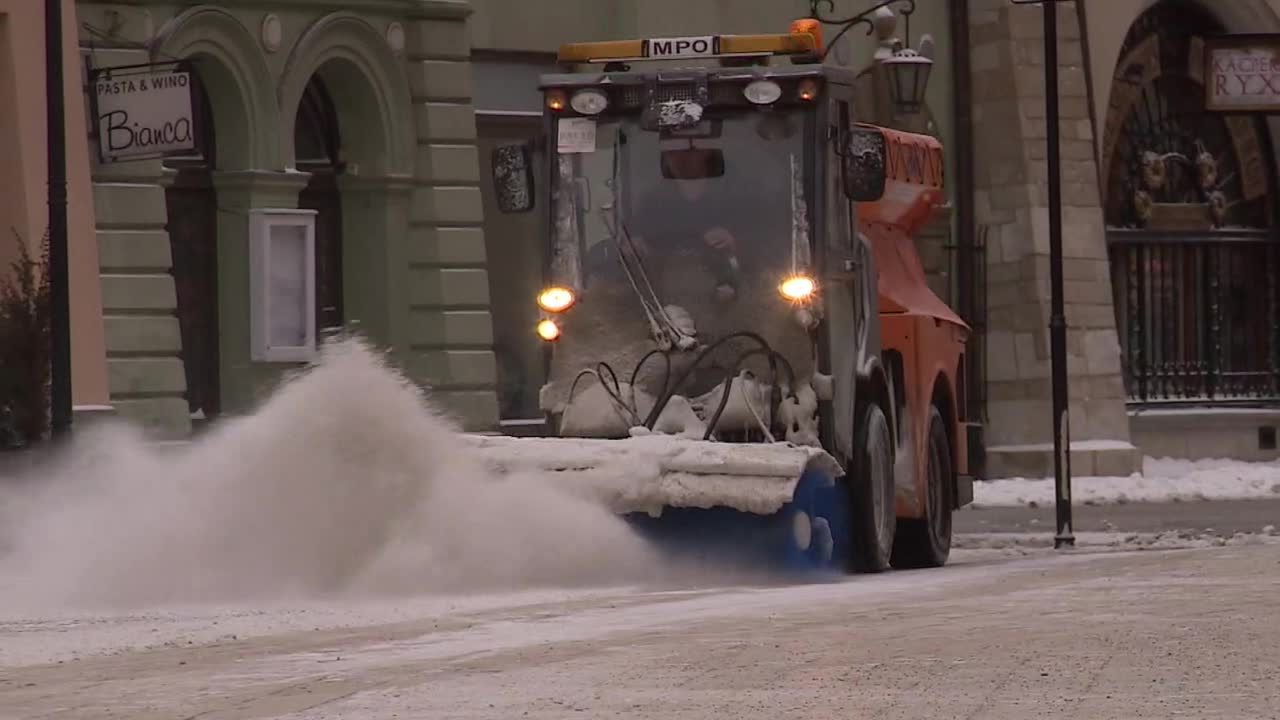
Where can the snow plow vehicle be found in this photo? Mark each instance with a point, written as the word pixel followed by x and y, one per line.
pixel 743 355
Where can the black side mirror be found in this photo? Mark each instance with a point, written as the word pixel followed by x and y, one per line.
pixel 513 177
pixel 864 165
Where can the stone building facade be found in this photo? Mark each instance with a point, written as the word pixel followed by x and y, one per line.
pixel 1011 197
pixel 359 110
pixel 380 114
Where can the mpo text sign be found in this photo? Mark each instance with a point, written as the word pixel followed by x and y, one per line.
pixel 143 111
pixel 1242 73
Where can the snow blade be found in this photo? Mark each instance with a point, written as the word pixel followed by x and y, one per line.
pixel 646 474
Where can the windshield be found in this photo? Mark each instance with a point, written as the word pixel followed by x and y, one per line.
pixel 676 239
pixel 717 199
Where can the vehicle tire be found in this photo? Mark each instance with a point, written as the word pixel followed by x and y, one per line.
pixel 874 518
pixel 926 542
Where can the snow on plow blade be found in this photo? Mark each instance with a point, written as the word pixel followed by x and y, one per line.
pixel 648 473
pixel 775 505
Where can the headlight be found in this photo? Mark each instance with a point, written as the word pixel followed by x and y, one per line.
pixel 548 330
pixel 798 288
pixel 556 299
pixel 589 101
pixel 762 92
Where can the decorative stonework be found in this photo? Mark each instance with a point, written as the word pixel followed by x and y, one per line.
pixel 272 32
pixel 395 38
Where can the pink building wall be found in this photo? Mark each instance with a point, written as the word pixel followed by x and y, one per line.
pixel 24 178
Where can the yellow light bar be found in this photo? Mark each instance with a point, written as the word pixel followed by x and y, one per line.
pixel 609 50
pixel 691 47
pixel 783 44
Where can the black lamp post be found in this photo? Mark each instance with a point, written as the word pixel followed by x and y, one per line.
pixel 907 70
pixel 1065 536
pixel 59 296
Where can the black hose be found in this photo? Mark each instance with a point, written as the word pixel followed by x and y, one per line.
pixel 667 392
pixel 666 373
pixel 775 396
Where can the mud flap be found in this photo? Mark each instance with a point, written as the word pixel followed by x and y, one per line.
pixel 964 490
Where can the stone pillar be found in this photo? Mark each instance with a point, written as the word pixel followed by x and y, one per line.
pixel 244 383
pixel 450 330
pixel 1011 197
pixel 145 374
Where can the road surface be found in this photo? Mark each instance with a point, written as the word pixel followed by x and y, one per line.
pixel 1154 634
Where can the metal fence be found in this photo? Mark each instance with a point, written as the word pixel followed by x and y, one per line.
pixel 1197 315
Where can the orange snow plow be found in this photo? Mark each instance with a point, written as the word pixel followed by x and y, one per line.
pixel 742 348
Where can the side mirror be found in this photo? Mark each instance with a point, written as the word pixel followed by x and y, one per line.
pixel 864 165
pixel 513 177
pixel 692 163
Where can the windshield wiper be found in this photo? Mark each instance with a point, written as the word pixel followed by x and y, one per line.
pixel 665 332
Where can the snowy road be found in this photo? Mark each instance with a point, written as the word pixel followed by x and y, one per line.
pixel 1090 634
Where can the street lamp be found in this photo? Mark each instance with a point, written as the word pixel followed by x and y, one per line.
pixel 908 74
pixel 906 71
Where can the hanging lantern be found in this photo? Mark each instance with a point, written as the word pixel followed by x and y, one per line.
pixel 907 73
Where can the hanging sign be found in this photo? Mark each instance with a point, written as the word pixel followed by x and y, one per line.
pixel 143 111
pixel 1242 73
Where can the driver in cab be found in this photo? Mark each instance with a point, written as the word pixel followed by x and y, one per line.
pixel 689 215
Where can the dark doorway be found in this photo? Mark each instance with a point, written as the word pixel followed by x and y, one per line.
pixel 192 205
pixel 317 150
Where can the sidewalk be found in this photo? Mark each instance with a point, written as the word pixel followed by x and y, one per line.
pixel 1222 518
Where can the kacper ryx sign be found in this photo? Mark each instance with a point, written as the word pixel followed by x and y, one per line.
pixel 143 111
pixel 1242 73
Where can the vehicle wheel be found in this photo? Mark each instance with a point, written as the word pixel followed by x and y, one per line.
pixel 926 542
pixel 874 519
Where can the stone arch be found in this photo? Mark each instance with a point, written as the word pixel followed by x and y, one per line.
pixel 238 82
pixel 1190 203
pixel 1156 111
pixel 369 87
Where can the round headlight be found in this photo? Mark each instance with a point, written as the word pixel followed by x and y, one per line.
pixel 556 299
pixel 762 92
pixel 548 330
pixel 589 101
pixel 798 288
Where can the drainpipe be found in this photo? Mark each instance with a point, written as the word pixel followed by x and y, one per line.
pixel 59 292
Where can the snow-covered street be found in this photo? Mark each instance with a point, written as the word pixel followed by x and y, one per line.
pixel 1001 633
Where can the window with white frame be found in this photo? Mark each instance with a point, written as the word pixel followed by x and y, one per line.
pixel 282 266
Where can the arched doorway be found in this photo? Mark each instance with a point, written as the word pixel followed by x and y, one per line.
pixel 192 224
pixel 1190 211
pixel 317 146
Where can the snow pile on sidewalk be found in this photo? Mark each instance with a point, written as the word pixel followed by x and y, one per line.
pixel 1162 480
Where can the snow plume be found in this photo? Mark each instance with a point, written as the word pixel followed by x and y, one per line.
pixel 344 481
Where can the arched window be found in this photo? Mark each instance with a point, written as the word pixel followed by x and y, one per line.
pixel 1189 209
pixel 317 148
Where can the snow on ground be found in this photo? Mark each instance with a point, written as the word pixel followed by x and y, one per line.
pixel 1162 480
pixel 66 635
pixel 1012 544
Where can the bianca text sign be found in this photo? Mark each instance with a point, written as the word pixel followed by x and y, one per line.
pixel 1242 73
pixel 143 112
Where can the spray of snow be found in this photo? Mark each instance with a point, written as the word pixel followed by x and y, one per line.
pixel 1162 480
pixel 343 482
